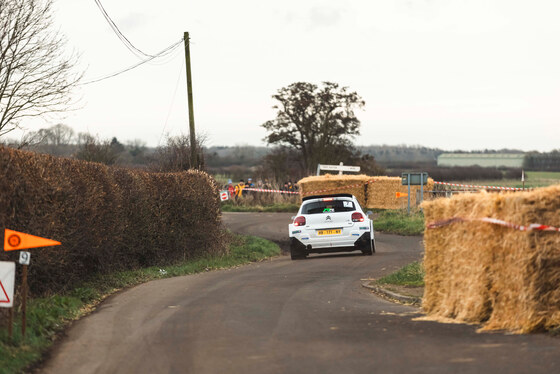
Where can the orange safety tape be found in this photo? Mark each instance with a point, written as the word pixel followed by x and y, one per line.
pixel 267 190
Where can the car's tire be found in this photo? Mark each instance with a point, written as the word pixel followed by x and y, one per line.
pixel 370 250
pixel 296 253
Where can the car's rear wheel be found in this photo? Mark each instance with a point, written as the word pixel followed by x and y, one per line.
pixel 296 252
pixel 370 250
pixel 296 255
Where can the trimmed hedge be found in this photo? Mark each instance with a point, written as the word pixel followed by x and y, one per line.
pixel 107 218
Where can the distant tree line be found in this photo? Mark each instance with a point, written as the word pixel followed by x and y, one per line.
pixel 245 155
pixel 397 156
pixel 61 140
pixel 490 151
pixel 549 161
pixel 276 163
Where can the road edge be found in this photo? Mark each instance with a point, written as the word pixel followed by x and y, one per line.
pixel 393 296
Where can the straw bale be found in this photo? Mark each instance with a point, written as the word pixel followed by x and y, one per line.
pixel 483 273
pixel 380 193
pixel 312 184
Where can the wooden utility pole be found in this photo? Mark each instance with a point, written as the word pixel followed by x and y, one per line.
pixel 194 161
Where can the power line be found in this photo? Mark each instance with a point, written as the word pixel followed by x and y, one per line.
pixel 168 57
pixel 137 52
pixel 163 53
pixel 172 102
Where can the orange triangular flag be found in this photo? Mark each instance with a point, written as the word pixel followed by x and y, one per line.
pixel 14 241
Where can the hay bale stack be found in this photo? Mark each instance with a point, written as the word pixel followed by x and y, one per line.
pixel 483 273
pixel 380 193
pixel 333 183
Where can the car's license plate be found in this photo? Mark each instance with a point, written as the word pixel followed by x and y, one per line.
pixel 329 232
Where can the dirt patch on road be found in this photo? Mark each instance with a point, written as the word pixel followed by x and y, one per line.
pixel 284 246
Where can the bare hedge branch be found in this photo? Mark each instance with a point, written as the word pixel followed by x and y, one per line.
pixel 107 218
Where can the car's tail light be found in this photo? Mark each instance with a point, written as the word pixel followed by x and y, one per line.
pixel 328 199
pixel 299 221
pixel 357 217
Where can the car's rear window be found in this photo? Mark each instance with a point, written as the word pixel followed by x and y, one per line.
pixel 334 206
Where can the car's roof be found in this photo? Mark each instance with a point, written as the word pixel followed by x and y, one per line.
pixel 324 196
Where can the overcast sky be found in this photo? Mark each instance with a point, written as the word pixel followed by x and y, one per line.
pixel 467 74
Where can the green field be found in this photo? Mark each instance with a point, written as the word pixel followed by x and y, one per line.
pixel 532 179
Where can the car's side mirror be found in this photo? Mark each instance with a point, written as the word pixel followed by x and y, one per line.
pixel 369 213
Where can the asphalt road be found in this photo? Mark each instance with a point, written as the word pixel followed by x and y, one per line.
pixel 283 316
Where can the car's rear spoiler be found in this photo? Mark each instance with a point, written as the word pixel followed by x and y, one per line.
pixel 331 195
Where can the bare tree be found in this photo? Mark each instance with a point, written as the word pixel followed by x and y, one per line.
pixel 36 75
pixel 91 149
pixel 61 134
pixel 176 154
pixel 55 140
pixel 30 139
pixel 317 122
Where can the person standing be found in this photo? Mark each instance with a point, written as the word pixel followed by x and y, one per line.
pixel 239 189
pixel 230 189
pixel 249 184
pixel 290 186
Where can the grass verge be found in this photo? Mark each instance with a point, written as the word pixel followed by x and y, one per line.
pixel 399 222
pixel 279 207
pixel 50 315
pixel 411 275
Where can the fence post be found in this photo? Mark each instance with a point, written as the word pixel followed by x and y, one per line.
pixel 421 187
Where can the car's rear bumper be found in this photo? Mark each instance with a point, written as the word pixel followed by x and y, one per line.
pixel 343 244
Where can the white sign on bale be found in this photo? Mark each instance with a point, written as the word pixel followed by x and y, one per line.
pixel 7 281
pixel 340 168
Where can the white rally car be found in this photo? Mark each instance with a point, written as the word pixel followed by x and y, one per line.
pixel 331 223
